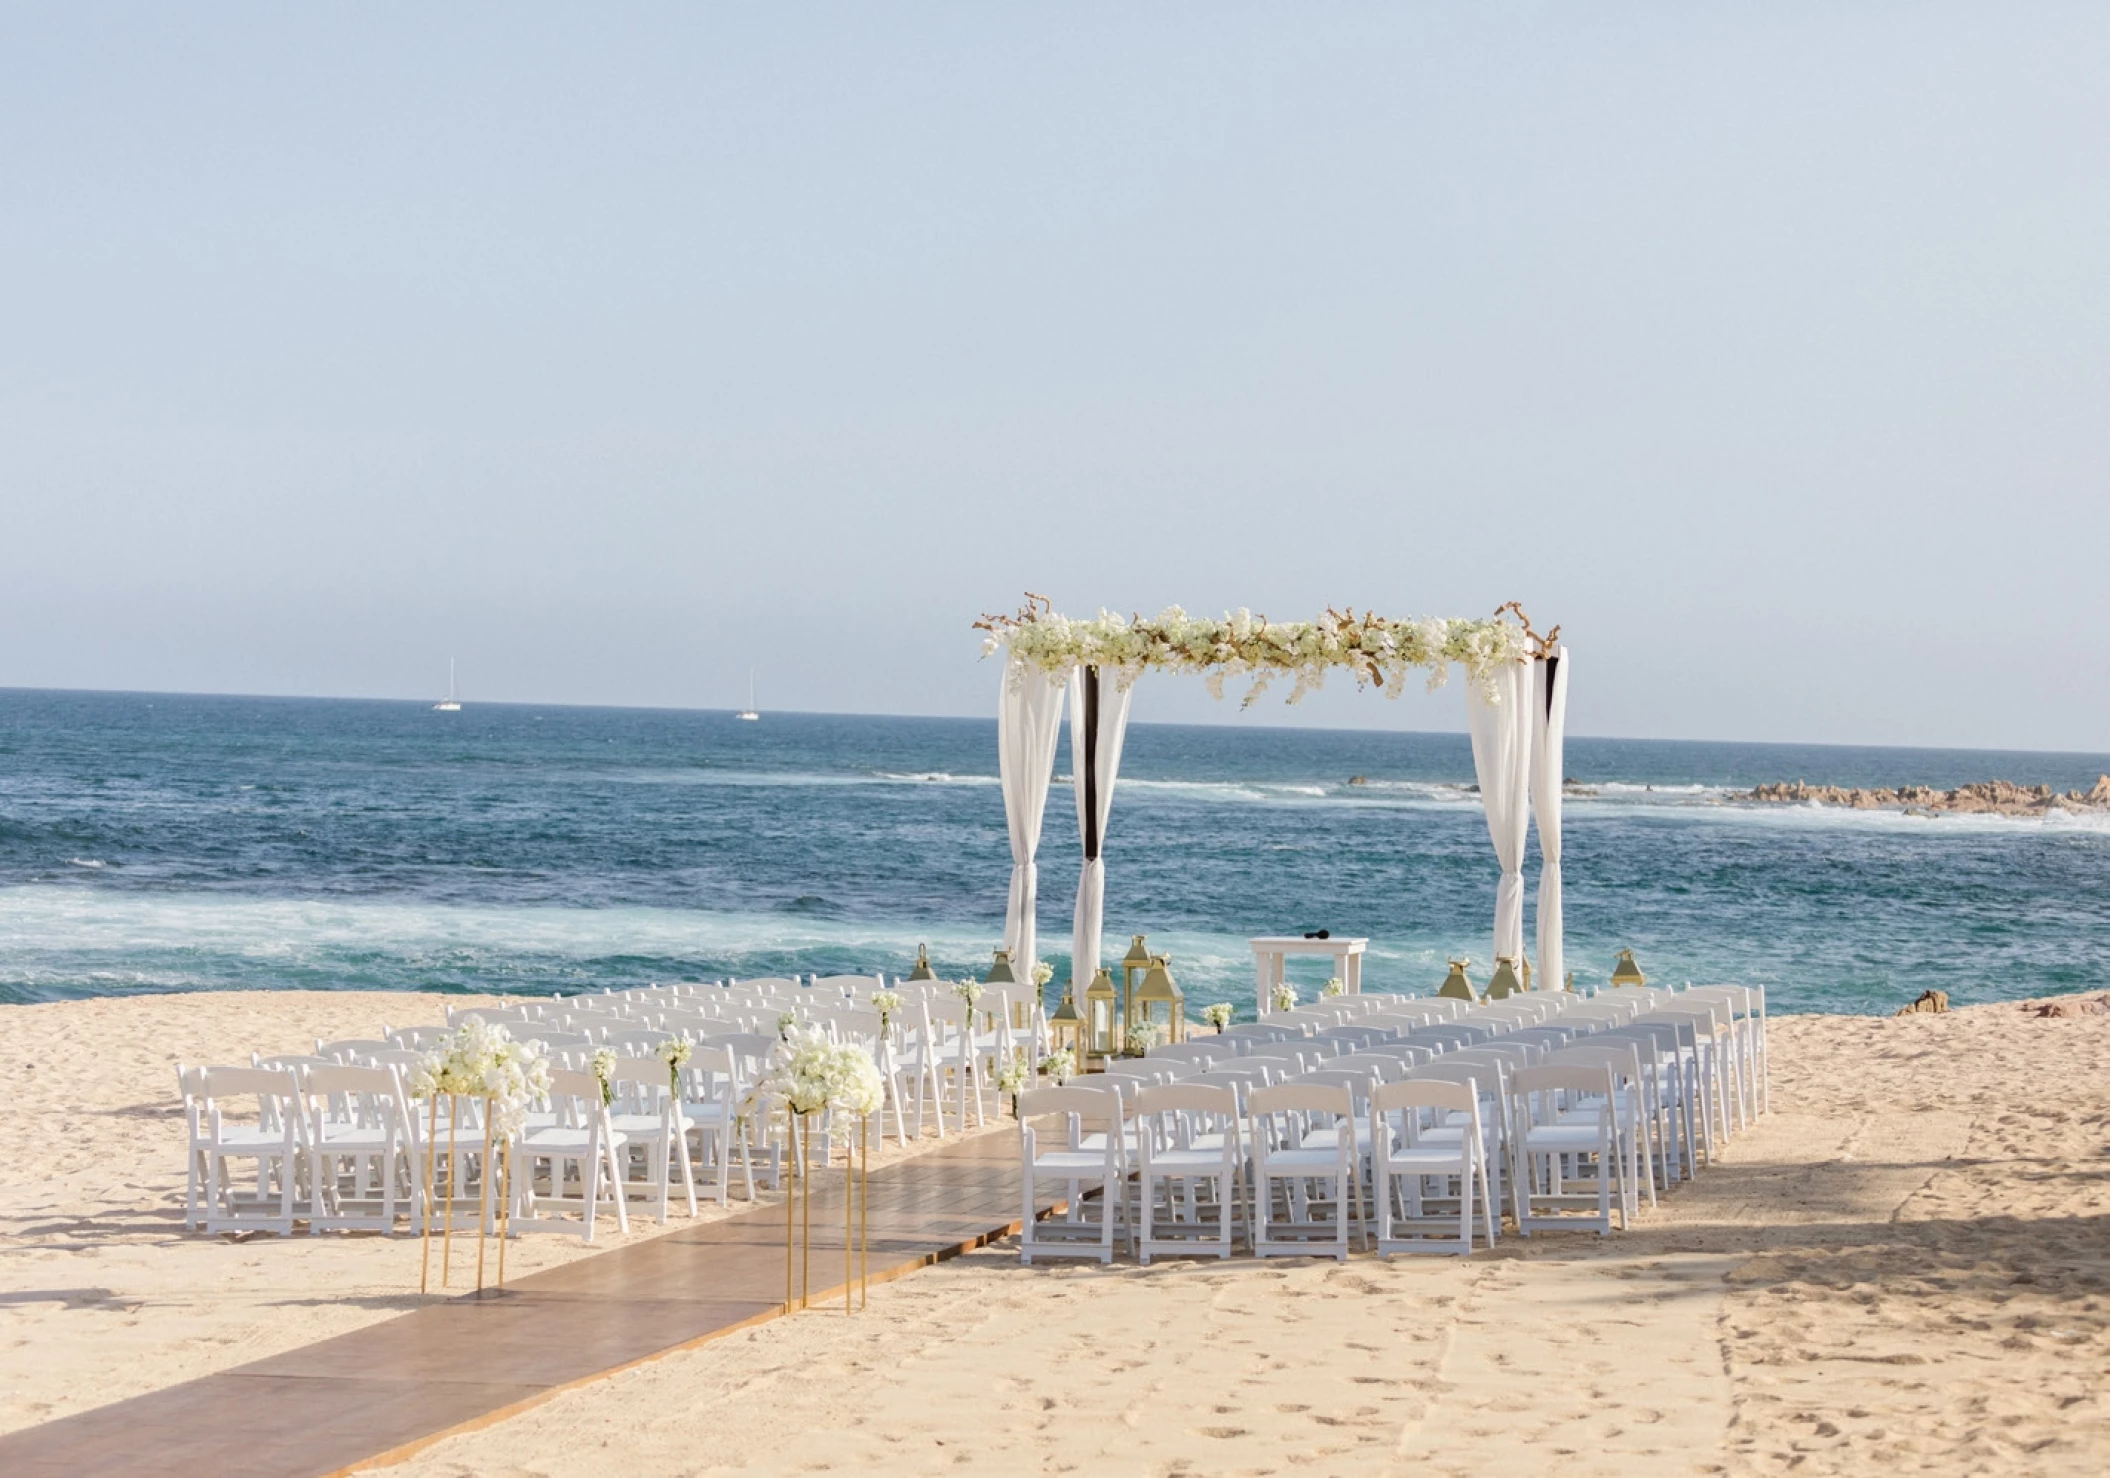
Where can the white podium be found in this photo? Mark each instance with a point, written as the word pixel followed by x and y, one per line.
pixel 1271 962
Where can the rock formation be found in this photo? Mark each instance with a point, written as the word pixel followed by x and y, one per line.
pixel 1986 797
pixel 1933 1000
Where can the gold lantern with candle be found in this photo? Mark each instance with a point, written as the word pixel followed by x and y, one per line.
pixel 1134 966
pixel 1626 972
pixel 1456 986
pixel 1160 1002
pixel 1505 983
pixel 1066 1028
pixel 923 970
pixel 1102 1029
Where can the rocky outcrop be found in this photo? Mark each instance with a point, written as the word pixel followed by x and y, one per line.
pixel 1986 797
pixel 1933 1000
pixel 2060 1006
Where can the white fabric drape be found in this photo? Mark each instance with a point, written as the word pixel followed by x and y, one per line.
pixel 1098 723
pixel 1549 728
pixel 1028 721
pixel 1502 761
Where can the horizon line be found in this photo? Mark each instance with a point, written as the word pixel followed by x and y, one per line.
pixel 7 689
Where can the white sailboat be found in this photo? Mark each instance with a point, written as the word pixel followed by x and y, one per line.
pixel 748 712
pixel 449 704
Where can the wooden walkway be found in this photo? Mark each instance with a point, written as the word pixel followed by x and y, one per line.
pixel 380 1393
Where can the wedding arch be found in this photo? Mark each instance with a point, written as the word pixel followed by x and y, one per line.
pixel 1516 710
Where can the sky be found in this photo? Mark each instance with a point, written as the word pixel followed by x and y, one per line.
pixel 617 352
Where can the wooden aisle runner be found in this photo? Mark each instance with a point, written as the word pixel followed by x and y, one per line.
pixel 382 1392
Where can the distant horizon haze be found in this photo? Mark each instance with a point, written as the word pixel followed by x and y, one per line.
pixel 616 353
pixel 1294 723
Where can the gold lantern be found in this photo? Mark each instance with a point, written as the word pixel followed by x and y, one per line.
pixel 1066 1029
pixel 1505 983
pixel 1524 965
pixel 1160 1002
pixel 1134 966
pixel 1626 972
pixel 1102 1030
pixel 1456 986
pixel 1000 974
pixel 923 970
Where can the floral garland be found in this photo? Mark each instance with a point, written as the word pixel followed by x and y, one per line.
pixel 1379 651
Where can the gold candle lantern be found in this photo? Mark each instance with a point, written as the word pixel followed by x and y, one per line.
pixel 1626 972
pixel 1456 986
pixel 1160 1002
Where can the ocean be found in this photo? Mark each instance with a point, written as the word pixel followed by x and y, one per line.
pixel 151 842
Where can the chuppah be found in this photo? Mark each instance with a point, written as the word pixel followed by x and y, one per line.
pixel 1516 710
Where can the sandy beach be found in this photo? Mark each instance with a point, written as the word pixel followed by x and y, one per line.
pixel 1903 1268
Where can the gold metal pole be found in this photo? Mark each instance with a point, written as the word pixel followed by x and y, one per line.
pixel 425 1241
pixel 454 1118
pixel 864 1214
pixel 849 1240
pixel 791 1133
pixel 806 1222
pixel 849 1210
pixel 505 1205
pixel 483 1201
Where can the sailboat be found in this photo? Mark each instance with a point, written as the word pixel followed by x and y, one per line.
pixel 449 704
pixel 748 712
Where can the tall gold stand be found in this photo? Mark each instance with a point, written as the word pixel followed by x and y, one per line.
pixel 498 1156
pixel 857 1217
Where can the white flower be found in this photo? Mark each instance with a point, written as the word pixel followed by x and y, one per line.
pixel 1015 1074
pixel 1061 1065
pixel 969 991
pixel 1284 997
pixel 1043 972
pixel 1332 987
pixel 1218 1014
pixel 674 1052
pixel 886 1002
pixel 485 1062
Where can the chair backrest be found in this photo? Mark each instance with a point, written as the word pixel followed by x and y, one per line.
pixel 566 1084
pixel 1424 1092
pixel 378 1081
pixel 351 1049
pixel 1203 1051
pixel 1087 1103
pixel 418 1036
pixel 1481 1077
pixel 1553 1078
pixel 637 1042
pixel 241 1082
pixel 1301 1098
pixel 1189 1098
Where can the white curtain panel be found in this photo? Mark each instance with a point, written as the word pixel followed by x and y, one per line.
pixel 1098 723
pixel 1549 729
pixel 1028 722
pixel 1502 761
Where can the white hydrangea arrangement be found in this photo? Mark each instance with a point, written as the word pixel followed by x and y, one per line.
pixel 1144 1036
pixel 1061 1065
pixel 811 1074
pixel 1332 988
pixel 1379 651
pixel 484 1061
pixel 674 1052
pixel 602 1065
pixel 1014 1075
pixel 886 1003
pixel 969 991
pixel 1043 972
pixel 1284 997
pixel 1218 1014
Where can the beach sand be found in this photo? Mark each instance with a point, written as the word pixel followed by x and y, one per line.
pixel 103 1295
pixel 1904 1267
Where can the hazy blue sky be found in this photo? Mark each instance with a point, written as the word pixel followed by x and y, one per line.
pixel 1767 347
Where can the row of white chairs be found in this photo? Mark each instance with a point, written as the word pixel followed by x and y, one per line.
pixel 1402 1119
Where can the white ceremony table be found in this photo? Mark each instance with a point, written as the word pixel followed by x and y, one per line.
pixel 1271 962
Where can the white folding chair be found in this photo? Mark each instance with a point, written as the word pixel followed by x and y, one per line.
pixel 1282 1118
pixel 271 1143
pixel 360 1155
pixel 1405 1160
pixel 1188 1135
pixel 580 1148
pixel 1090 1146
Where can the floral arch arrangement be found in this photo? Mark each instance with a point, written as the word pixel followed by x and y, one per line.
pixel 1378 651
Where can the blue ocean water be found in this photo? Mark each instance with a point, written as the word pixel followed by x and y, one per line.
pixel 159 843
